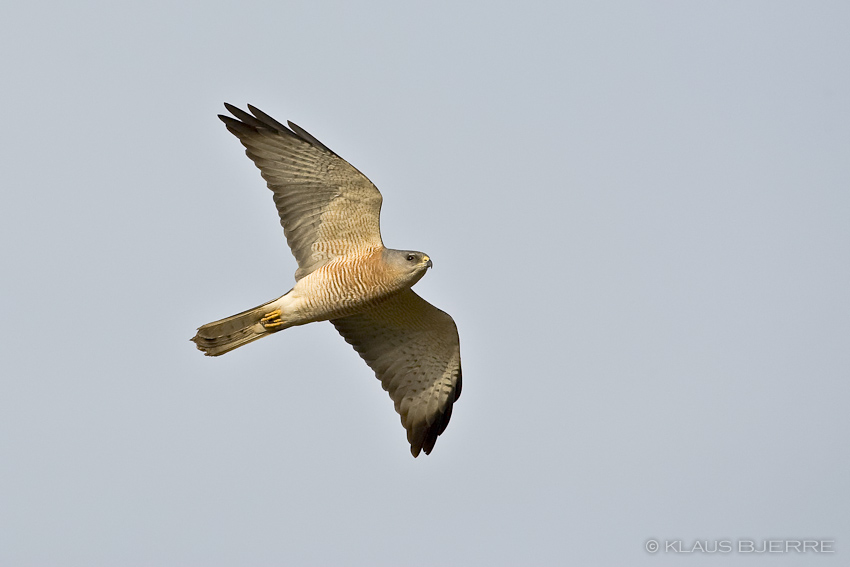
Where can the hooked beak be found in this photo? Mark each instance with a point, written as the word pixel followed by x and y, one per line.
pixel 429 263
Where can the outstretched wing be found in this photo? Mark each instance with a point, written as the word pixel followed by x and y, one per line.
pixel 327 207
pixel 414 349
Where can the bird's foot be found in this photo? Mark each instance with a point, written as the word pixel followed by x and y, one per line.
pixel 272 320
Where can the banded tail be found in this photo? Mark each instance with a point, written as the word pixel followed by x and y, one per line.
pixel 219 337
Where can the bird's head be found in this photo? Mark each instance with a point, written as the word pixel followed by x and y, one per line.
pixel 408 264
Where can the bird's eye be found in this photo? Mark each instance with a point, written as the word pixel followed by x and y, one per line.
pixel 410 257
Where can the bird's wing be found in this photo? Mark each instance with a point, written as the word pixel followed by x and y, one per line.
pixel 414 349
pixel 327 207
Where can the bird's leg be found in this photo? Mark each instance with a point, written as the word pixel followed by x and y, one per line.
pixel 272 320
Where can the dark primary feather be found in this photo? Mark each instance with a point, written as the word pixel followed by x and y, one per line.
pixel 259 119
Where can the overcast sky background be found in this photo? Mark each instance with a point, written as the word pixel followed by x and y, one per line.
pixel 639 216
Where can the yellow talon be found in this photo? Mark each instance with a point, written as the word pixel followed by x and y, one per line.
pixel 273 315
pixel 272 320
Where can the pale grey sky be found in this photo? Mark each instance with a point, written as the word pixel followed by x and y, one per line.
pixel 639 216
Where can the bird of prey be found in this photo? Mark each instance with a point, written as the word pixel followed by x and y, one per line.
pixel 330 214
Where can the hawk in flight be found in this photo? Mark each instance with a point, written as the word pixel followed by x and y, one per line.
pixel 330 214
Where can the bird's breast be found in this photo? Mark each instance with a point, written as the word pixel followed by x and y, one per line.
pixel 345 286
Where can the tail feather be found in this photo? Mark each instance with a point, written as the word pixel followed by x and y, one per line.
pixel 219 337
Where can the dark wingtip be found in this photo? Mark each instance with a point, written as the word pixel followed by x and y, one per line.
pixel 423 439
pixel 308 137
pixel 245 122
pixel 266 119
pixel 236 127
